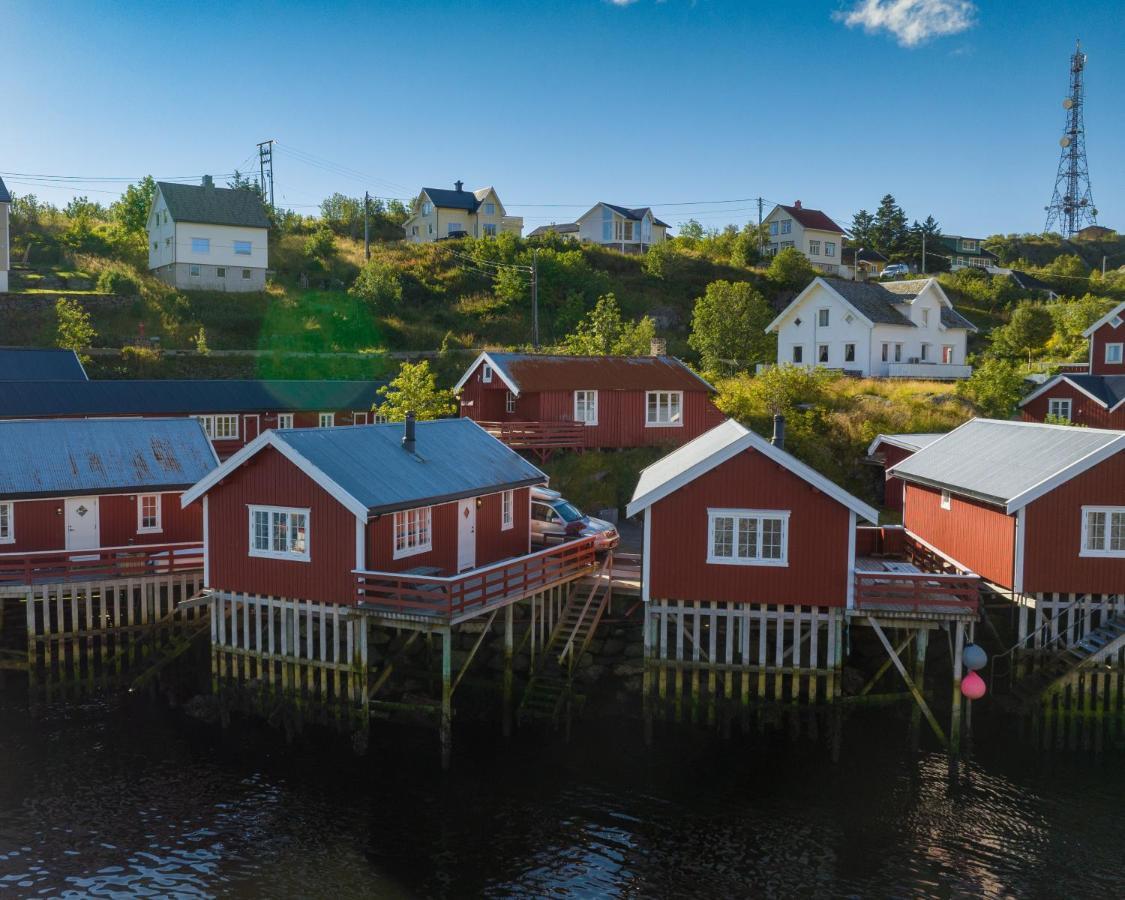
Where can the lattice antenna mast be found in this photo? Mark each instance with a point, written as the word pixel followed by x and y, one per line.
pixel 265 170
pixel 1072 205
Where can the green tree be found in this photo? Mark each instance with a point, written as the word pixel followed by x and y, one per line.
pixel 994 388
pixel 1071 319
pixel 926 235
pixel 890 230
pixel 131 211
pixel 379 285
pixel 603 332
pixel 1027 332
pixel 728 327
pixel 791 269
pixel 1068 275
pixel 320 246
pixel 74 331
pixel 415 390
pixel 863 229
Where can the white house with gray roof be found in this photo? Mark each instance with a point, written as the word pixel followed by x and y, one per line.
pixel 203 237
pixel 898 329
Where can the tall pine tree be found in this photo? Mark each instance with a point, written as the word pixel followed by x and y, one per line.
pixel 890 230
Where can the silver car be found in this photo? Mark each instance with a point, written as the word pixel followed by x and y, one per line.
pixel 555 520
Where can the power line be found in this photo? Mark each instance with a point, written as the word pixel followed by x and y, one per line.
pixel 93 179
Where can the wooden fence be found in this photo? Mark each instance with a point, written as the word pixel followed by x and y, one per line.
pixel 133 561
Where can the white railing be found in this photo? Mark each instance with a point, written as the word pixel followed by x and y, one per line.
pixel 928 371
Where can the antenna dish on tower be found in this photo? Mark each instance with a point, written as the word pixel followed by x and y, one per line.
pixel 1068 103
pixel 1064 141
pixel 1072 204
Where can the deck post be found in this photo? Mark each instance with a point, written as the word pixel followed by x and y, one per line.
pixel 955 715
pixel 509 646
pixel 446 696
pixel 646 678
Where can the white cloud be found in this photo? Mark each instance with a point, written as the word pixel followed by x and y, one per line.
pixel 912 22
pixel 622 2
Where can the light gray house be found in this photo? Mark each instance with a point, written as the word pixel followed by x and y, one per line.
pixel 5 262
pixel 203 237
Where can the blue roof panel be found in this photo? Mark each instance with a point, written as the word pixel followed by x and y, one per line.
pixel 37 364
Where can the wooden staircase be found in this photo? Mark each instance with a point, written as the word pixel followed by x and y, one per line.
pixel 1102 642
pixel 550 689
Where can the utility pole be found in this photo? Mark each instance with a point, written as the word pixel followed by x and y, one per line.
pixel 923 251
pixel 265 168
pixel 535 298
pixel 761 237
pixel 366 229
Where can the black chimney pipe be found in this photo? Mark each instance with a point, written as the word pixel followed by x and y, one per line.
pixel 408 435
pixel 778 439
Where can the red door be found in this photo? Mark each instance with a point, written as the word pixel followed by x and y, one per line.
pixel 250 428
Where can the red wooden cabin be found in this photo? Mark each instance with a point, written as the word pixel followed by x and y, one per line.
pixel 540 402
pixel 890 449
pixel 1037 510
pixel 431 518
pixel 98 496
pixel 1094 397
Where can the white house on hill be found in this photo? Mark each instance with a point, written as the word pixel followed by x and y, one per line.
pixel 897 329
pixel 809 230
pixel 441 213
pixel 5 262
pixel 618 227
pixel 203 237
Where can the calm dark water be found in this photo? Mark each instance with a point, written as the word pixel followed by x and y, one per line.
pixel 125 797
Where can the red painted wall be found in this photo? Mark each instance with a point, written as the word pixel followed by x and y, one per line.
pixel 1107 334
pixel 270 479
pixel 1054 535
pixel 975 534
pixel 892 487
pixel 41 524
pixel 1083 410
pixel 818 539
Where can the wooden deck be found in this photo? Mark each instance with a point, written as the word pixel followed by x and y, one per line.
pixel 541 438
pixel 132 561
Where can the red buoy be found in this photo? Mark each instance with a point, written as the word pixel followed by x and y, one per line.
pixel 972 686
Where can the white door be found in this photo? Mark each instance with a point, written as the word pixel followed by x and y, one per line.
pixel 466 534
pixel 82 523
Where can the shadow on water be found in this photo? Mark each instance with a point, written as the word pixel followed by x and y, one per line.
pixel 121 795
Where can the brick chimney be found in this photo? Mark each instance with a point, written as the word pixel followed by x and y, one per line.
pixel 796 204
pixel 457 185
pixel 658 347
pixel 208 181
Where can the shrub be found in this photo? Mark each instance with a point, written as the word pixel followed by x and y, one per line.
pixel 119 281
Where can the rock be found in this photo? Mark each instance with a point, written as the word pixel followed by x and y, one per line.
pixel 852 681
pixel 203 708
pixel 596 646
pixel 591 673
pixel 629 669
pixel 475 627
pixel 613 647
pixel 634 651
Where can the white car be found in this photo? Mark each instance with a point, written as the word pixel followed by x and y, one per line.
pixel 894 270
pixel 555 520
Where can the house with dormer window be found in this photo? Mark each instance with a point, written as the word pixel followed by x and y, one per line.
pixel 622 228
pixel 967 252
pixel 440 213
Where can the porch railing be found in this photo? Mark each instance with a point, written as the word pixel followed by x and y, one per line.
pixel 537 435
pixel 942 583
pixel 455 595
pixel 132 561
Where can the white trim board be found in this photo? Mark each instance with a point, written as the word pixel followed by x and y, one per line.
pixel 484 357
pixel 1118 310
pixel 1053 383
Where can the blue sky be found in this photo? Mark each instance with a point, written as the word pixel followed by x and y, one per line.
pixel 952 106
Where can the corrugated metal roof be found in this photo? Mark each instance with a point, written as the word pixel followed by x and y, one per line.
pixel 5 197
pixel 453 458
pixel 999 461
pixel 214 205
pixel 39 364
pixel 695 452
pixel 158 397
pixel 60 457
pixel 539 372
pixel 912 442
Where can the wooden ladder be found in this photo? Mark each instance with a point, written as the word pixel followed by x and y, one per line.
pixel 1103 641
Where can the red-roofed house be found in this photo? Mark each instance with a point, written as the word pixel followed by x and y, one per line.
pixel 811 231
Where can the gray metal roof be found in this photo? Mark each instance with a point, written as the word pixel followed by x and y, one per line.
pixel 5 197
pixel 453 458
pixel 999 461
pixel 61 457
pixel 910 441
pixel 874 300
pixel 214 205
pixel 1110 389
pixel 636 214
pixel 165 397
pixel 558 228
pixel 37 364
pixel 950 318
pixel 686 458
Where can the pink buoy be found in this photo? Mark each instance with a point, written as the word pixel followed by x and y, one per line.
pixel 973 686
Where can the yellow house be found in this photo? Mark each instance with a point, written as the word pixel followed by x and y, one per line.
pixel 440 213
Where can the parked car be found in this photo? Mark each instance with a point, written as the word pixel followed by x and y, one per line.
pixel 894 270
pixel 555 520
pixel 454 236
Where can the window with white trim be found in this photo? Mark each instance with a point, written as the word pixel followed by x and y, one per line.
pixel 285 420
pixel 510 402
pixel 886 352
pixel 822 317
pixel 748 537
pixel 327 420
pixel 773 229
pixel 1113 353
pixel 1103 531
pixel 814 248
pixel 193 271
pixel 926 318
pixel 829 248
pixel 967 244
pixel 507 510
pixel 798 354
pixel 201 245
pixel 413 531
pixel 220 272
pixel 786 226
pixel 379 418
pixel 490 229
pixel 427 208
pixel 1059 408
pixel 822 354
pixel 219 427
pixel 7 522
pixel 586 407
pixel 486 373
pixel 490 209
pixel 148 513
pixel 246 273
pixel 664 409
pixel 849 352
pixel 898 352
pixel 279 532
pixel 242 248
pixel 925 353
pixel 946 500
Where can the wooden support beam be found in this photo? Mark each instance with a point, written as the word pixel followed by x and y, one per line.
pixel 955 716
pixel 509 678
pixel 919 699
pixel 389 666
pixel 473 652
pixel 881 671
pixel 446 724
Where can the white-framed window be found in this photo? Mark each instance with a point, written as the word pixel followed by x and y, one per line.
pixel 327 420
pixel 242 248
pixel 148 513
pixel 1103 531
pixel 193 271
pixel 898 352
pixel 925 353
pixel 829 248
pixel 490 209
pixel 221 272
pixel 946 500
pixel 926 317
pixel 586 407
pixel 748 537
pixel 413 531
pixel 427 208
pixel 201 245
pixel 509 402
pixel 814 248
pixel 221 427
pixel 822 354
pixel 623 230
pixel 786 226
pixel 967 245
pixel 773 229
pixel 453 226
pixel 1113 353
pixel 947 354
pixel 886 352
pixel 379 419
pixel 507 510
pixel 285 420
pixel 822 317
pixel 7 522
pixel 849 352
pixel 486 373
pixel 798 354
pixel 246 274
pixel 413 229
pixel 279 532
pixel 1059 408
pixel 430 228
pixel 490 229
pixel 664 409
pixel 785 245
